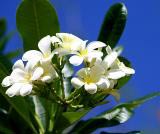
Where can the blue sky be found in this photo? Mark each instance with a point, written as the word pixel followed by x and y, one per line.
pixel 140 40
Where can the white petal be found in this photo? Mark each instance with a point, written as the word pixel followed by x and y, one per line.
pixel 49 71
pixel 14 89
pixel 37 73
pixel 94 54
pixel 110 59
pixel 77 83
pixel 112 83
pixel 98 61
pixel 32 55
pixel 47 79
pixel 90 88
pixel 18 64
pixel 128 70
pixel 61 51
pixel 70 40
pixel 97 69
pixel 118 49
pixel 76 60
pixel 26 89
pixel 31 65
pixel 66 37
pixel 115 74
pixel 82 72
pixel 103 84
pixel 125 69
pixel 54 40
pixel 95 44
pixel 18 75
pixel 45 45
pixel 83 45
pixel 7 81
pixel 108 49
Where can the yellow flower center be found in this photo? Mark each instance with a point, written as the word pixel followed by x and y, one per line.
pixel 84 52
pixel 46 55
pixel 66 46
pixel 27 77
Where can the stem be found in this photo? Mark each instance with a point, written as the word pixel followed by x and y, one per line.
pixel 58 70
pixel 62 86
pixel 60 100
pixel 41 129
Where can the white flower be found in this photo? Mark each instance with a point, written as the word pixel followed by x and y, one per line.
pixel 22 77
pixel 117 69
pixel 87 53
pixel 114 69
pixel 20 80
pixel 49 72
pixel 68 43
pixel 91 78
pixel 44 56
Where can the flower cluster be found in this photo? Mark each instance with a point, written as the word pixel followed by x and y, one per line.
pixel 35 65
pixel 100 71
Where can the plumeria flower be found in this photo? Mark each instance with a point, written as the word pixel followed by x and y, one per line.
pixel 114 69
pixel 20 80
pixel 22 76
pixel 44 55
pixel 68 43
pixel 49 73
pixel 87 53
pixel 91 78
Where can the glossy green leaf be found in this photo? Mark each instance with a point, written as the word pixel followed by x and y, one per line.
pixel 40 113
pixel 36 19
pixel 68 118
pixel 2 27
pixel 113 24
pixel 71 117
pixel 113 117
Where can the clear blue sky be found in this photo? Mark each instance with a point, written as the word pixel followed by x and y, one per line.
pixel 141 40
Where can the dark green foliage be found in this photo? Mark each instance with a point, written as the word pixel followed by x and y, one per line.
pixel 36 19
pixel 110 118
pixel 113 24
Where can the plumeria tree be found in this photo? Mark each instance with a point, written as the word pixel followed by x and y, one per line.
pixel 41 93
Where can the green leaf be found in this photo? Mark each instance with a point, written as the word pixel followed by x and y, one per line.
pixel 13 54
pixel 36 19
pixel 5 64
pixel 113 117
pixel 5 130
pixel 71 117
pixel 121 82
pixel 2 27
pixel 113 25
pixel 4 40
pixel 68 118
pixel 40 113
pixel 4 125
